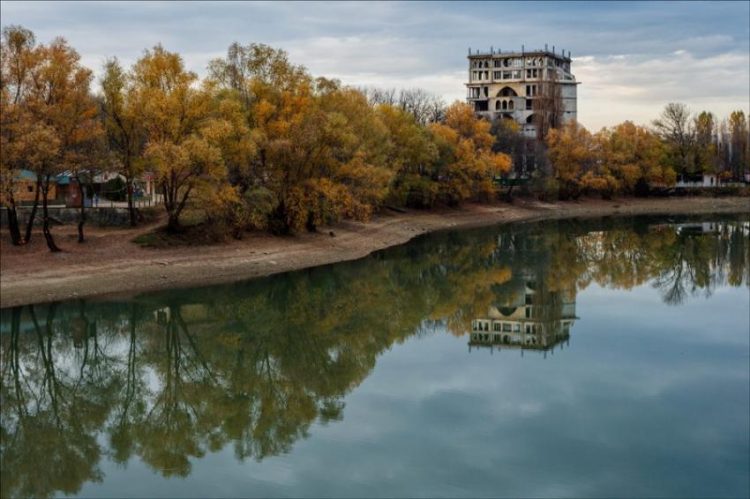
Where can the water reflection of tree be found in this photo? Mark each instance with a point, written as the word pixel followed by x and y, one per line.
pixel 174 375
pixel 678 262
pixel 50 418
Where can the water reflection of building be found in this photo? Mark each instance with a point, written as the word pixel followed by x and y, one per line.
pixel 698 228
pixel 528 318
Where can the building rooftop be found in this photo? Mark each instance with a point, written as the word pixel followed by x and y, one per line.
pixel 523 53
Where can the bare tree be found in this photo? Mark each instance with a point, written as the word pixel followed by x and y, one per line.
pixel 547 105
pixel 676 128
pixel 376 96
pixel 424 106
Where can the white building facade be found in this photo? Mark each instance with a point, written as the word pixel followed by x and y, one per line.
pixel 507 84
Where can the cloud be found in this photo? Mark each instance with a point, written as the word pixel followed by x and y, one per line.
pixel 637 86
pixel 631 57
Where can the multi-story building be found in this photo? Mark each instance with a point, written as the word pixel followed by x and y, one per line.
pixel 520 85
pixel 528 318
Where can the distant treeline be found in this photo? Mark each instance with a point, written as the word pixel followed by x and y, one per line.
pixel 261 144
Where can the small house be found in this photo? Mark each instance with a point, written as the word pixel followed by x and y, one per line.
pixel 25 187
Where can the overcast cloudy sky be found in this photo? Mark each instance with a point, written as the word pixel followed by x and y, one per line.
pixel 632 58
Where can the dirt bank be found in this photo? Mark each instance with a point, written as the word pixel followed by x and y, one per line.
pixel 110 263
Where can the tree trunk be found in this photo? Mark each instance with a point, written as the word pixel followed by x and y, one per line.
pixel 15 231
pixel 82 216
pixel 131 208
pixel 30 221
pixel 45 218
pixel 173 225
pixel 278 220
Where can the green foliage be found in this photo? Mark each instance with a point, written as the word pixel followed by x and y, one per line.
pixel 114 189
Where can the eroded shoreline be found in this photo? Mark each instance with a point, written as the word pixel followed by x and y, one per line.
pixel 112 265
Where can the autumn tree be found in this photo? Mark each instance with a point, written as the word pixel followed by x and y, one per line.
pixel 13 44
pixel 634 156
pixel 706 151
pixel 466 166
pixel 411 152
pixel 509 140
pixel 740 142
pixel 572 153
pixel 125 130
pixel 269 94
pixel 314 143
pixel 93 158
pixel 59 118
pixel 175 116
pixel 19 132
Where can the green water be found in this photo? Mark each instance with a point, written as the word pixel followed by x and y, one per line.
pixel 602 358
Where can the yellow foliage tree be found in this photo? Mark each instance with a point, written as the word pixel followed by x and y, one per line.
pixel 176 116
pixel 54 117
pixel 572 152
pixel 466 166
pixel 635 156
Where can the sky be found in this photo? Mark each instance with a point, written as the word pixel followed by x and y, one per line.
pixel 631 58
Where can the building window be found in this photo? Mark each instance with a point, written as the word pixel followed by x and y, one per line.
pixel 496 75
pixel 517 75
pixel 30 188
pixel 506 327
pixel 529 104
pixel 496 326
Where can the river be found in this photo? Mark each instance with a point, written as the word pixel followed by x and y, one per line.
pixel 569 358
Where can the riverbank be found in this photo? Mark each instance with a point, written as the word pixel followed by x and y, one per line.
pixel 110 263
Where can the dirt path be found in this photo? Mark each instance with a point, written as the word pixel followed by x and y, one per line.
pixel 109 263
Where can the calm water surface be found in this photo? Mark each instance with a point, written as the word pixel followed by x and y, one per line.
pixel 606 358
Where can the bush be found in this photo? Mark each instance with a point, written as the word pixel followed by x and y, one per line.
pixel 114 189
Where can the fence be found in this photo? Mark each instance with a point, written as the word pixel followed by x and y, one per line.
pixel 101 215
